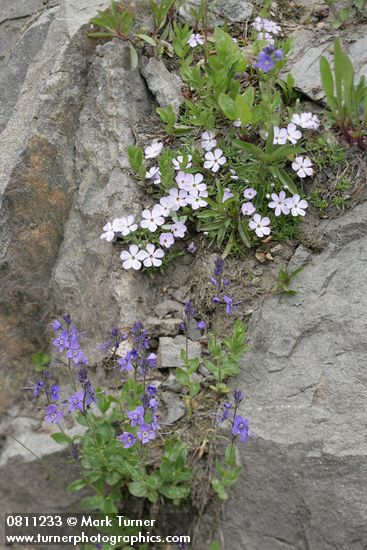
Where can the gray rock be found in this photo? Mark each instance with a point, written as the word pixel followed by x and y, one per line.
pixel 305 380
pixel 16 63
pixel 170 348
pixel 205 373
pixel 115 102
pixel 47 477
pixel 18 9
pixel 37 174
pixel 171 384
pixel 165 86
pixel 162 327
pixel 220 11
pixel 167 307
pixel 175 408
pixel 309 46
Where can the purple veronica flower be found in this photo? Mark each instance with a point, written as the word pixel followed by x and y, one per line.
pixel 264 62
pixel 219 266
pixel 77 355
pixel 190 309
pixel 67 318
pixel 240 427
pixel 201 325
pixel 136 416
pixel 153 403
pixel 140 336
pixel 62 341
pixel 55 393
pixel 192 248
pixel 226 413
pixel 145 433
pixel 90 394
pixel 151 390
pixel 125 362
pixel 76 401
pixel 216 300
pixel 238 396
pixel 53 415
pixel 267 58
pixel 82 375
pixel 229 303
pixel 155 425
pixel 40 386
pixel 151 360
pixel 127 439
pixel 56 325
pixel 105 346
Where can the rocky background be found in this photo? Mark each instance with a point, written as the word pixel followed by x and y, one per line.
pixel 69 108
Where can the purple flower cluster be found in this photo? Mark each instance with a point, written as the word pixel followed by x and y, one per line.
pixel 67 341
pixel 138 358
pixel 239 424
pixel 144 420
pixel 221 284
pixel 189 319
pixel 267 58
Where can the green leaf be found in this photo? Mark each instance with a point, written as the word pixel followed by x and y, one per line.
pixel 194 388
pixel 147 39
pixel 284 178
pixel 112 478
pixel 133 57
pixel 175 492
pixel 101 34
pixel 242 233
pixel 77 485
pixel 182 376
pixel 327 82
pixel 40 361
pixel 215 545
pixel 229 246
pixel 243 109
pixel 255 151
pixel 93 503
pixel 61 438
pixel 228 106
pixel 138 489
pixel 219 489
